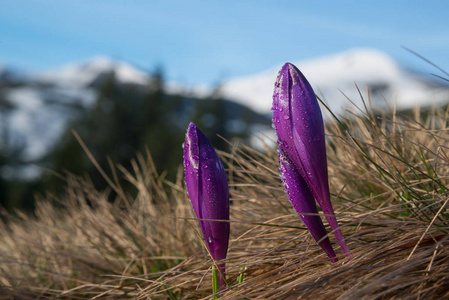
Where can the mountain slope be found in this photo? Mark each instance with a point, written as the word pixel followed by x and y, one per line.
pixel 335 76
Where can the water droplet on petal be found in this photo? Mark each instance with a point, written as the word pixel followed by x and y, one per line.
pixel 196 157
pixel 210 240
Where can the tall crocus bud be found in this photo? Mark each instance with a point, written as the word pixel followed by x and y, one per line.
pixel 299 126
pixel 208 190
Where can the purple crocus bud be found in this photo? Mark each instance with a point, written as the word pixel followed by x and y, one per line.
pixel 299 126
pixel 208 190
pixel 303 202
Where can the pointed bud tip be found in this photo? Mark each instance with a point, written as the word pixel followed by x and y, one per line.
pixel 191 127
pixel 288 65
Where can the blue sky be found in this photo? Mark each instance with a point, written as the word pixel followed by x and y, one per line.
pixel 208 41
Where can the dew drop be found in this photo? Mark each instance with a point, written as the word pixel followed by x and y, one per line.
pixel 286 117
pixel 210 240
pixel 196 157
pixel 187 163
pixel 183 145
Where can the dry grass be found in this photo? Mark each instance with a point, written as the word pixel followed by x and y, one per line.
pixel 389 175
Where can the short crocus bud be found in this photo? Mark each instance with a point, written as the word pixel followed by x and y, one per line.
pixel 303 202
pixel 208 190
pixel 300 129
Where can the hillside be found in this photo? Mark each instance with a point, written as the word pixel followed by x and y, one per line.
pixel 388 180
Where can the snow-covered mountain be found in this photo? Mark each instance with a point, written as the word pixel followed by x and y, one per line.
pixel 86 73
pixel 35 109
pixel 335 77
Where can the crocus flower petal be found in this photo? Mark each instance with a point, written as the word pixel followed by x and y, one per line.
pixel 208 190
pixel 299 125
pixel 303 202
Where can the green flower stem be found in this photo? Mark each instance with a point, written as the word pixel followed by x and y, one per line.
pixel 215 282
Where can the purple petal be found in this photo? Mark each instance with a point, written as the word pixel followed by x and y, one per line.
pixel 303 202
pixel 208 190
pixel 300 129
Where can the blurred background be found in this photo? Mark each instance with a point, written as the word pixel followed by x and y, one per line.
pixel 131 75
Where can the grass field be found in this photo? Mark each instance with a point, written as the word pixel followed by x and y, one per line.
pixel 389 176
